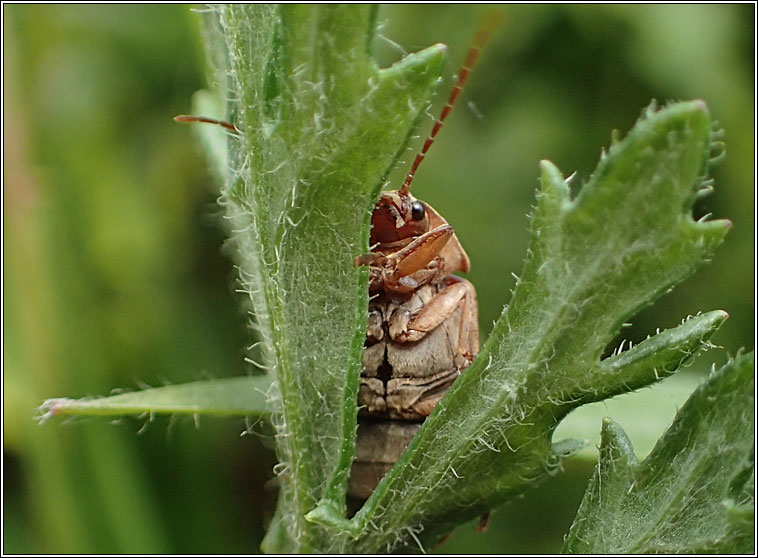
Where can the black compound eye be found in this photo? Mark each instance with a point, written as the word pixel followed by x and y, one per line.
pixel 417 211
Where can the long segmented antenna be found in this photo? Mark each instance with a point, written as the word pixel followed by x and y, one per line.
pixel 222 123
pixel 483 34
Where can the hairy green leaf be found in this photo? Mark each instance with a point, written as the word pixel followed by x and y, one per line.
pixel 224 396
pixel 321 127
pixel 695 491
pixel 593 261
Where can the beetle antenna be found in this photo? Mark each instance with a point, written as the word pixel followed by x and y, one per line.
pixel 491 22
pixel 222 123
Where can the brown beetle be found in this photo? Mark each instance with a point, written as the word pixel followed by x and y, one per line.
pixel 422 325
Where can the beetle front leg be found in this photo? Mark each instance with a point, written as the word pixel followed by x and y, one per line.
pixel 410 267
pixel 414 264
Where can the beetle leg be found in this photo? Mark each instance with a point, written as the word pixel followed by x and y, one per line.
pixel 434 312
pixel 459 293
pixel 418 254
pixel 409 267
pixel 468 334
pixel 372 258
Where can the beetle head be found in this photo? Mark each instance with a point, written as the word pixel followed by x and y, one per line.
pixel 398 216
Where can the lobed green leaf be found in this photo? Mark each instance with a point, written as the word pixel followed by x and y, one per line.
pixel 694 493
pixel 592 263
pixel 322 126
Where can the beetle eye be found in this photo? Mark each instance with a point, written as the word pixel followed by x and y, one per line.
pixel 417 211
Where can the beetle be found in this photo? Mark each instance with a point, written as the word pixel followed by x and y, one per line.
pixel 422 325
pixel 422 319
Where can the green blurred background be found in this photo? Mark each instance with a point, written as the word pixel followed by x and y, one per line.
pixel 115 274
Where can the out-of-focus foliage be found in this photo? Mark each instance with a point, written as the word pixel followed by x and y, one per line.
pixel 113 278
pixel 113 273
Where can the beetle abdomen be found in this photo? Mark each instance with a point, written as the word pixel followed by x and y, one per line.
pixel 379 445
pixel 405 379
